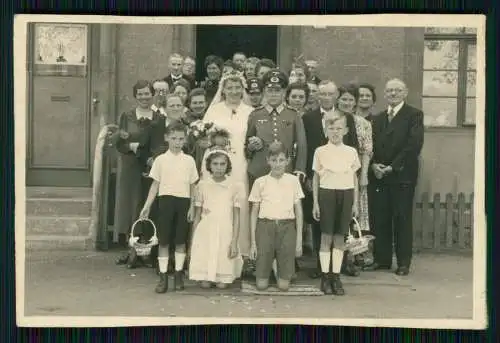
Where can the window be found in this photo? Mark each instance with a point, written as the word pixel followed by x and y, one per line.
pixel 449 77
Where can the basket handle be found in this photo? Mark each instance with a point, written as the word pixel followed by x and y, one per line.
pixel 141 220
pixel 358 228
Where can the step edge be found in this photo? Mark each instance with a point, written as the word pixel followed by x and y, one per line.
pixel 31 199
pixel 65 217
pixel 44 238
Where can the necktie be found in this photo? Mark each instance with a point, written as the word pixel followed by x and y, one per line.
pixel 323 123
pixel 390 114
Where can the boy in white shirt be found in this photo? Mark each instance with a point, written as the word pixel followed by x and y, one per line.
pixel 276 220
pixel 174 177
pixel 335 186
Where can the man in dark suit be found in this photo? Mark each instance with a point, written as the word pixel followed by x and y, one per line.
pixel 176 62
pixel 398 136
pixel 315 137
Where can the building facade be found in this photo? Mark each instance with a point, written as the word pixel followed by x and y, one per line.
pixel 80 77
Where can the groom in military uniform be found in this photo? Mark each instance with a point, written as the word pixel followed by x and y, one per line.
pixel 275 121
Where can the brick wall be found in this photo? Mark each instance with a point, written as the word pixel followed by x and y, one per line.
pixel 377 54
pixel 360 54
pixel 143 52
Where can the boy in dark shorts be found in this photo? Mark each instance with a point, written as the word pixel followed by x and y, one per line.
pixel 276 220
pixel 174 177
pixel 335 186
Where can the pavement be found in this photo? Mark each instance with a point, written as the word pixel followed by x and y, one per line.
pixel 62 283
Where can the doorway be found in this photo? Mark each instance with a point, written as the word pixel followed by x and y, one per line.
pixel 60 125
pixel 225 40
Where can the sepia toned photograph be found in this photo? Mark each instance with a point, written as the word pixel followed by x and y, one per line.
pixel 324 170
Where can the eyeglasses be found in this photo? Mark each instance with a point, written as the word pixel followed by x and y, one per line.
pixel 395 90
pixel 160 92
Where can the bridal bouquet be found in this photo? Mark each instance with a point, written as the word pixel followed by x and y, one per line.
pixel 199 130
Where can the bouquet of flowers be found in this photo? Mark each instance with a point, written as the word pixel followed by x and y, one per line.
pixel 199 129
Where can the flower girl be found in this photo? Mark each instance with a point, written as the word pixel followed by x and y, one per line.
pixel 219 140
pixel 215 259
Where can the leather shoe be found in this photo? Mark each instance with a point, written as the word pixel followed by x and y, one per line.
pixel 403 271
pixel 375 266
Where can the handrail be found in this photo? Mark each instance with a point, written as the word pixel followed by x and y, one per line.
pixel 98 216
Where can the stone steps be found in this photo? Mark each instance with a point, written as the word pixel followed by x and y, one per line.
pixel 57 218
pixel 57 242
pixel 58 207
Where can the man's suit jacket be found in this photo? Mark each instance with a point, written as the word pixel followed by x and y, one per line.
pixel 398 144
pixel 315 136
pixel 168 79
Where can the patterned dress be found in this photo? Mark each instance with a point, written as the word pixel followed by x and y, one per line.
pixel 365 141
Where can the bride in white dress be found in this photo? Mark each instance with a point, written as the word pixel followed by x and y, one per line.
pixel 230 111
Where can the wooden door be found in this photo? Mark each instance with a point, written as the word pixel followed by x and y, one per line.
pixel 59 144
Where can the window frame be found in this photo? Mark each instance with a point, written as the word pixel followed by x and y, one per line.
pixel 464 41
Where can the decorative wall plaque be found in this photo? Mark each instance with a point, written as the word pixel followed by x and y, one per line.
pixel 61 44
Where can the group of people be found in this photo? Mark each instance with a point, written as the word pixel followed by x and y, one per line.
pixel 277 153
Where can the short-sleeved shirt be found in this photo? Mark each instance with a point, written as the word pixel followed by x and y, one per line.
pixel 277 197
pixel 175 173
pixel 336 166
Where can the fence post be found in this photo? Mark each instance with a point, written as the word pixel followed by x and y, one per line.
pixel 426 222
pixel 437 220
pixel 449 220
pixel 461 220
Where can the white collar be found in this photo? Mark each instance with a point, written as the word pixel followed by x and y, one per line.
pixel 331 145
pixel 224 183
pixel 178 77
pixel 322 110
pixel 145 115
pixel 174 155
pixel 396 109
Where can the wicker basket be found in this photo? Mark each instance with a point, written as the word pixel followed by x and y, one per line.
pixel 142 249
pixel 357 245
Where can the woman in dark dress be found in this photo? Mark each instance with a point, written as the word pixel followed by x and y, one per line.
pixel 135 143
pixel 213 69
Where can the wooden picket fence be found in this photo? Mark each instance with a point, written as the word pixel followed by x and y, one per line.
pixel 443 225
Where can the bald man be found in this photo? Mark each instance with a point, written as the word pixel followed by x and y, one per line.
pixel 398 136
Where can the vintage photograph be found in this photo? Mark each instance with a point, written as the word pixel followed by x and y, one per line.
pixel 297 169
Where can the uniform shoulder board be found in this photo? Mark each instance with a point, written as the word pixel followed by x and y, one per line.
pixel 290 108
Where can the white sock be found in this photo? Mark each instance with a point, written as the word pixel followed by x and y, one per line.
pixel 179 261
pixel 163 264
pixel 275 269
pixel 324 259
pixel 337 257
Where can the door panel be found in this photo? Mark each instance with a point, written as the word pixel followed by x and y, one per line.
pixel 61 110
pixel 225 40
pixel 59 125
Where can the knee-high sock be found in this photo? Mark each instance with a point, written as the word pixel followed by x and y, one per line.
pixel 324 258
pixel 337 257
pixel 163 264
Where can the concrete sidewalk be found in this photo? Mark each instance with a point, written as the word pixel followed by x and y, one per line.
pixel 90 284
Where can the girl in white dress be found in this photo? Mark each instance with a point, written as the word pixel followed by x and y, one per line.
pixel 214 251
pixel 229 111
pixel 219 139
